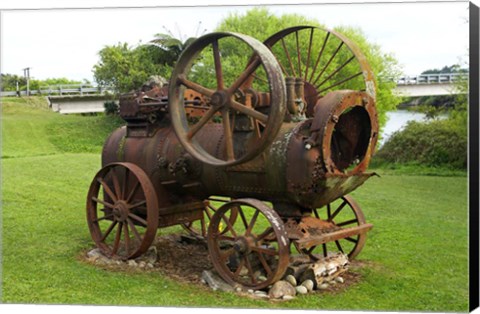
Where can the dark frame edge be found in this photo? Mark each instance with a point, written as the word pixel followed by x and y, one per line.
pixel 474 157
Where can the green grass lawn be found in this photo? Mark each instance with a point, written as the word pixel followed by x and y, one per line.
pixel 416 257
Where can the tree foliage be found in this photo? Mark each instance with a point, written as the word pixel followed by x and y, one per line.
pixel 126 68
pixel 455 68
pixel 9 82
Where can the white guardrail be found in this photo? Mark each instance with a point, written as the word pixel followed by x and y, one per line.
pixel 441 78
pixel 62 90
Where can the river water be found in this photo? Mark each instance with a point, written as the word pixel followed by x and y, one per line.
pixel 397 120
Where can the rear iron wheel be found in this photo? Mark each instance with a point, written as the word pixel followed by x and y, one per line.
pixel 253 251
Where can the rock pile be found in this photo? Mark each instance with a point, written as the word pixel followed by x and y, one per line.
pixel 181 258
pixel 302 277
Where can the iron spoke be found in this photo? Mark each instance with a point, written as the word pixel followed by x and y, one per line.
pixel 117 239
pixel 107 232
pixel 137 204
pixel 127 238
pixel 229 225
pixel 337 211
pixel 244 220
pixel 218 65
pixel 319 56
pixel 138 219
pixel 97 200
pixel 348 222
pixel 339 246
pixel 250 270
pixel 264 263
pixel 125 184
pixel 328 63
pixel 248 111
pixel 134 229
pixel 307 65
pixel 299 57
pixel 288 57
pixel 132 192
pixel 252 223
pixel 335 72
pixel 203 120
pixel 227 133
pixel 116 184
pixel 341 82
pixel 103 218
pixel 245 75
pixel 264 234
pixel 107 189
pixel 351 239
pixel 196 87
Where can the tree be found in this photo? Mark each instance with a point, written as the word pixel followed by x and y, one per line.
pixel 126 68
pixel 260 24
pixel 9 82
pixel 169 47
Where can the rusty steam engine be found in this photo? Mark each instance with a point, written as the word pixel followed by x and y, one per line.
pixel 259 163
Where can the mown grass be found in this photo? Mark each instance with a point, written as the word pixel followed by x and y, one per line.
pixel 416 257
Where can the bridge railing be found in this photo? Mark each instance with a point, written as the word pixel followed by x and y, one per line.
pixel 440 78
pixel 66 89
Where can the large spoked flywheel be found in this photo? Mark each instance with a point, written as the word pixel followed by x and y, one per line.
pixel 324 60
pixel 216 68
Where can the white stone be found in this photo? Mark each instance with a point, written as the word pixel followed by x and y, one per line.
pixel 339 279
pixel 290 279
pixel 288 297
pixel 323 286
pixel 132 263
pixel 280 289
pixel 308 284
pixel 301 290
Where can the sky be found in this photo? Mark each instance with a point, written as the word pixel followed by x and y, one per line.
pixel 65 42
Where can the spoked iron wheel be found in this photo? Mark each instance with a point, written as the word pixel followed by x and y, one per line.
pixel 122 211
pixel 199 228
pixel 254 250
pixel 227 101
pixel 324 60
pixel 345 213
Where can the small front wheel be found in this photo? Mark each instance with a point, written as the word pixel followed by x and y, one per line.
pixel 122 211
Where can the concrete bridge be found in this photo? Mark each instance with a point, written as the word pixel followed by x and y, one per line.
pixel 67 99
pixel 429 84
pixel 78 104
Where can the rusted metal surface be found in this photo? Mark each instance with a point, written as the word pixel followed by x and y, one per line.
pixel 208 156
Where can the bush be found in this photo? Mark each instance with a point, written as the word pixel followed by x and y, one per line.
pixel 111 107
pixel 436 144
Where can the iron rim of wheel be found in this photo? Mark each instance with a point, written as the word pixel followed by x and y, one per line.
pixel 254 251
pixel 129 203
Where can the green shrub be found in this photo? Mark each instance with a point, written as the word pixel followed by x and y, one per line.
pixel 436 144
pixel 111 107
